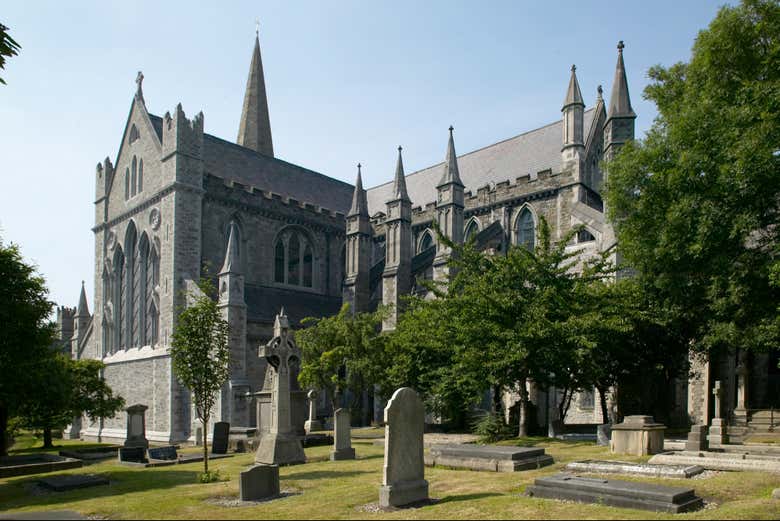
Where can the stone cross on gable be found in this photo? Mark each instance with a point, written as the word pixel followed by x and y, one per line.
pixel 717 392
pixel 139 79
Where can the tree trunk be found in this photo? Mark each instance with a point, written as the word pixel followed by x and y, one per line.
pixel 3 430
pixel 47 438
pixel 205 445
pixel 523 423
pixel 497 399
pixel 603 401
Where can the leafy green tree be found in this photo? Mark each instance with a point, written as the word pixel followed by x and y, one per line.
pixel 342 353
pixel 68 389
pixel 695 203
pixel 200 354
pixel 8 47
pixel 25 335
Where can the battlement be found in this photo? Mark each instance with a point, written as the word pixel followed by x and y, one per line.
pixel 249 194
pixel 182 135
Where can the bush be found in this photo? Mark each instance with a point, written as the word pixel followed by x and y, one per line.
pixel 491 428
pixel 210 476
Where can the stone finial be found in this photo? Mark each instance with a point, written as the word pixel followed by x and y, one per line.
pixel 573 68
pixel 139 92
pixel 257 27
pixel 620 46
pixel 281 324
pixel 599 93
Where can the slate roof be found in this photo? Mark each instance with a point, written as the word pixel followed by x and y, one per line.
pixel 264 302
pixel 228 160
pixel 528 153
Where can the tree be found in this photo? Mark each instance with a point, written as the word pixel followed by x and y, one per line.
pixel 25 335
pixel 200 355
pixel 68 389
pixel 696 203
pixel 8 47
pixel 342 353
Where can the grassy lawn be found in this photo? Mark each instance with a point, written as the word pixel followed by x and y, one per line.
pixel 325 489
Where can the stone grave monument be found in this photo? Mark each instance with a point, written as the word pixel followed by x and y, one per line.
pixel 697 438
pixel 403 479
pixel 136 426
pixel 280 445
pixel 488 457
pixel 718 433
pixel 312 424
pixel 637 436
pixel 220 438
pixel 259 482
pixel 342 445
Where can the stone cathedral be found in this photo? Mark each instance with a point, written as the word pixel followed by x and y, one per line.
pixel 177 204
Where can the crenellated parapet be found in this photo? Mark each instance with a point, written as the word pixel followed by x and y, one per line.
pixel 182 135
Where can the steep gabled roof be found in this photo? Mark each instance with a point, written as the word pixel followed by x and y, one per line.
pixel 528 153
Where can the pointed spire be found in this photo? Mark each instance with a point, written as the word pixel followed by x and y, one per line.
pixel 359 202
pixel 399 182
pixel 573 93
pixel 451 173
pixel 83 309
pixel 232 259
pixel 254 131
pixel 620 101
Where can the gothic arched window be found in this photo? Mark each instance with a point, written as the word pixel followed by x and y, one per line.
pixel 118 295
pixel 127 184
pixel 152 319
pixel 131 291
pixel 140 175
pixel 134 178
pixel 471 230
pixel 426 242
pixel 294 259
pixel 524 229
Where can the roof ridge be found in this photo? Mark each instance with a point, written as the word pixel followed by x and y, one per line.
pixel 479 149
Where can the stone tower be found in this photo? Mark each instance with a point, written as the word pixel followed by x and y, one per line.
pixel 619 127
pixel 358 262
pixel 396 278
pixel 254 131
pixel 235 408
pixel 449 209
pixel 573 150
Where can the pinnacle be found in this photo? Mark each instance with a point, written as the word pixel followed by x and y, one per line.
pixel 399 182
pixel 620 100
pixel 451 174
pixel 573 93
pixel 359 201
pixel 232 259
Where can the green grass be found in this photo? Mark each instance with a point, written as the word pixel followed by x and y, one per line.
pixel 325 489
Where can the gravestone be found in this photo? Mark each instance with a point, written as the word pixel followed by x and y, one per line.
pixel 488 457
pixel 403 477
pixel 635 469
pixel 220 438
pixel 163 453
pixel 720 460
pixel 718 433
pixel 136 426
pixel 259 482
pixel 697 438
pixel 312 424
pixel 280 445
pixel 342 446
pixel 637 436
pixel 616 493
pixel 65 482
pixel 603 434
pixel 132 455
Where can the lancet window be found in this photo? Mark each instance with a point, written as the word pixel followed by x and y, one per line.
pixel 525 232
pixel 294 259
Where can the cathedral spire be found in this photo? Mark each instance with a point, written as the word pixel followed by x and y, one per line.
pixel 83 309
pixel 399 183
pixel 620 101
pixel 573 93
pixel 254 131
pixel 232 259
pixel 359 203
pixel 451 173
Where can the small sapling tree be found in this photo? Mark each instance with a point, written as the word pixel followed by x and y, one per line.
pixel 200 355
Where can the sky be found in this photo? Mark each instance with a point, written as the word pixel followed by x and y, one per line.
pixel 347 82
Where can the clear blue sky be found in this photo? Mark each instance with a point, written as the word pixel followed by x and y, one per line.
pixel 347 81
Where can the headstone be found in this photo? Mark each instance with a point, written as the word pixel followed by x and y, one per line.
pixel 132 455
pixel 603 434
pixel 718 430
pixel 403 478
pixel 259 482
pixel 617 493
pixel 280 445
pixel 637 436
pixel 776 493
pixel 220 438
pixel 342 446
pixel 199 436
pixel 312 424
pixel 65 482
pixel 136 426
pixel 697 438
pixel 163 453
pixel 488 457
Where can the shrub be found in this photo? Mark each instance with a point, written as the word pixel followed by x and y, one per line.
pixel 491 428
pixel 209 476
